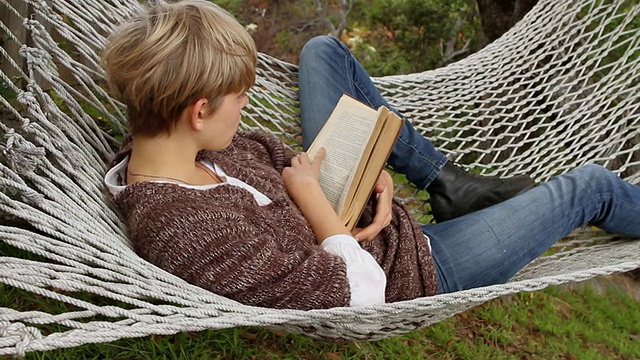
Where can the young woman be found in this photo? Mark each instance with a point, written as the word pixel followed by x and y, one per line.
pixel 239 215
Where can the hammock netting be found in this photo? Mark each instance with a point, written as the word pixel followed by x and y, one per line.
pixel 560 89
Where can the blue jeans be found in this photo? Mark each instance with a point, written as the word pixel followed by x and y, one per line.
pixel 488 246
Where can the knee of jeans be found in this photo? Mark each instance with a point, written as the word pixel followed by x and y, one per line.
pixel 315 48
pixel 593 173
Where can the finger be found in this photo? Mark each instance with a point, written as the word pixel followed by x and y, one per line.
pixel 380 220
pixel 300 158
pixel 320 155
pixel 381 183
pixel 379 188
pixel 383 210
pixel 368 233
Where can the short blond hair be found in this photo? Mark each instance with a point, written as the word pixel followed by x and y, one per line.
pixel 172 54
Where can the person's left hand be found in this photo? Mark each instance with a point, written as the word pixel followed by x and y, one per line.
pixel 384 196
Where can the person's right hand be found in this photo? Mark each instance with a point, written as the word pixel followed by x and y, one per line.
pixel 301 181
pixel 302 172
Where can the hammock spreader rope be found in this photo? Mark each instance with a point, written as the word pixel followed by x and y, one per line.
pixel 560 89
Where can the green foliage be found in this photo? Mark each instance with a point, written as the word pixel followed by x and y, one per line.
pixel 416 35
pixel 622 35
pixel 284 41
pixel 233 6
pixel 7 91
pixel 387 36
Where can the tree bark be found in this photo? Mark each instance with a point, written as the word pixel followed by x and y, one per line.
pixel 498 16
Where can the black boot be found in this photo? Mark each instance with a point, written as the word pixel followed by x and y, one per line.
pixel 456 192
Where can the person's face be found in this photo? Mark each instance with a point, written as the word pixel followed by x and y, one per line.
pixel 222 125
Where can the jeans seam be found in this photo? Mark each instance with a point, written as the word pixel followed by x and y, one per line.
pixel 448 277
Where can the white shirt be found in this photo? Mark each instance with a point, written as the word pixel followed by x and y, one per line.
pixel 366 278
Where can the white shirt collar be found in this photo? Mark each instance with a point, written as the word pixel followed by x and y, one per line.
pixel 115 181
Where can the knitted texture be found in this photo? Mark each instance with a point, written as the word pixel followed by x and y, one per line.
pixel 222 240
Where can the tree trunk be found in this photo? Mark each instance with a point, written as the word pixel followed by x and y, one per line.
pixel 498 16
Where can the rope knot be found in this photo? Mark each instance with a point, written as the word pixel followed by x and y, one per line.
pixel 38 57
pixel 22 156
pixel 27 125
pixel 20 335
pixel 27 98
pixel 44 6
pixel 33 25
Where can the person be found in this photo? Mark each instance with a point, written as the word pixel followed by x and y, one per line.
pixel 238 214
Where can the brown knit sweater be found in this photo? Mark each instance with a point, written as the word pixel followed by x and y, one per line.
pixel 221 240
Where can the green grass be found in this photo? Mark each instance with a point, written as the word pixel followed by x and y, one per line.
pixel 549 324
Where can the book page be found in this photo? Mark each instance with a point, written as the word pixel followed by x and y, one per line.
pixel 345 136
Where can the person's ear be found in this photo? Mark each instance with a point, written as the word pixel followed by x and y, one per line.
pixel 198 113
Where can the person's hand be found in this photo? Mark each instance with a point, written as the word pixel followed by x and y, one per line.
pixel 301 181
pixel 384 197
pixel 302 172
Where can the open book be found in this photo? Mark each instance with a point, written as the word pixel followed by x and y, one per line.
pixel 358 140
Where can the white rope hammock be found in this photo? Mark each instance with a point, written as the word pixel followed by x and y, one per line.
pixel 561 89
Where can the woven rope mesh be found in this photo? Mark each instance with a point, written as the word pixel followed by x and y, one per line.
pixel 561 89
